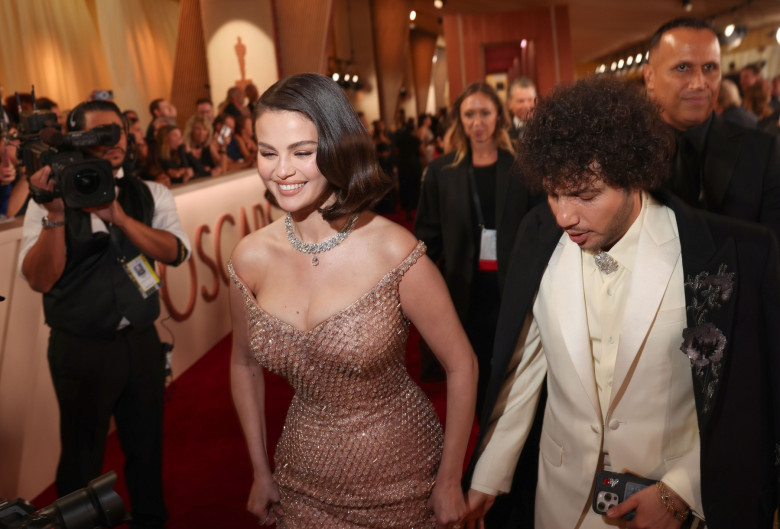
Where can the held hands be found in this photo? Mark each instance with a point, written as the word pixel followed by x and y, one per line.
pixel 448 504
pixel 264 501
pixel 650 512
pixel 479 504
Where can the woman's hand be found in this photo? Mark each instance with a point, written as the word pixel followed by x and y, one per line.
pixel 448 504
pixel 264 501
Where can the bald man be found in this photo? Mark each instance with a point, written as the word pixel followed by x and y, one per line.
pixel 718 166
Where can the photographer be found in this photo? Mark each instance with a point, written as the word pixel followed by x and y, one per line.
pixel 104 353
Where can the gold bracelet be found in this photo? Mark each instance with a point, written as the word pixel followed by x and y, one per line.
pixel 670 504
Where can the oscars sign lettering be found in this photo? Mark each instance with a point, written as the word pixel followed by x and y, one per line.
pixel 215 262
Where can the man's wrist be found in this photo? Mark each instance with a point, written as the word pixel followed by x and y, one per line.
pixel 672 502
pixel 52 221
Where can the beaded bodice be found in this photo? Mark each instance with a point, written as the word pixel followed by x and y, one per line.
pixel 361 442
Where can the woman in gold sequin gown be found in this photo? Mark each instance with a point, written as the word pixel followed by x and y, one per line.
pixel 324 297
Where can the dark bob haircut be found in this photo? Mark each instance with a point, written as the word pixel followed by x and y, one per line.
pixel 600 127
pixel 346 155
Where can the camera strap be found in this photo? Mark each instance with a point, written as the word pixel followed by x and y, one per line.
pixel 138 269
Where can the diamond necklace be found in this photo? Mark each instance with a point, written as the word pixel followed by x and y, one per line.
pixel 320 247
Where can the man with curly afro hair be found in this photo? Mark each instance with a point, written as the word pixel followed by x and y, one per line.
pixel 650 326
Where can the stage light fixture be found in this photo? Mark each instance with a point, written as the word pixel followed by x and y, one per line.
pixel 412 14
pixel 438 4
pixel 777 36
pixel 729 31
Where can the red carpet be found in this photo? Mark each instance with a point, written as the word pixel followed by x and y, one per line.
pixel 207 474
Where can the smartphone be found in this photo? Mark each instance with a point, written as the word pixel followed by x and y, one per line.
pixel 224 134
pixel 103 95
pixel 613 488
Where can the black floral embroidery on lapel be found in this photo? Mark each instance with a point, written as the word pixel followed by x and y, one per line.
pixel 704 343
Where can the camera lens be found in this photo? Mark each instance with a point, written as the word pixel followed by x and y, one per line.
pixel 86 181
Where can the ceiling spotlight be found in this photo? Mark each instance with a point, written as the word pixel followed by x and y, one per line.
pixel 777 36
pixel 638 58
pixel 336 77
pixel 630 60
pixel 732 36
pixel 346 77
pixel 687 5
pixel 412 14
pixel 621 62
pixel 614 66
pixel 438 4
pixel 523 43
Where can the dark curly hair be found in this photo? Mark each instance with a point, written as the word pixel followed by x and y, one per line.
pixel 600 127
pixel 346 155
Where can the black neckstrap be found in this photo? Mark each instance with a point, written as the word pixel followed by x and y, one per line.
pixel 475 197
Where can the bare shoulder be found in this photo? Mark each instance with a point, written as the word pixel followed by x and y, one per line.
pixel 254 253
pixel 391 242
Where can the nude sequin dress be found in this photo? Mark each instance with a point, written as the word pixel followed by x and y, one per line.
pixel 361 443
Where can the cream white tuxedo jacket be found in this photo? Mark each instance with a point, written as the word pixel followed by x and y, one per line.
pixel 650 428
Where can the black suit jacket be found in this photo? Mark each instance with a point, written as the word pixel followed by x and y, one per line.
pixel 739 407
pixel 741 174
pixel 740 116
pixel 447 223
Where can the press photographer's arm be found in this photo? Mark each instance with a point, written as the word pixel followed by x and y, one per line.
pixel 44 263
pixel 157 244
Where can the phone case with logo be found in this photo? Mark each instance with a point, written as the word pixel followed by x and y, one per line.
pixel 613 488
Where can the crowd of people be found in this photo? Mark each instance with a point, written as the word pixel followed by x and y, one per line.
pixel 210 144
pixel 596 273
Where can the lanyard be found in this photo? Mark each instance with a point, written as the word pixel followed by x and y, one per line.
pixel 475 197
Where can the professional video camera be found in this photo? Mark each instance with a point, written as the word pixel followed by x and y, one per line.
pixel 80 179
pixel 96 505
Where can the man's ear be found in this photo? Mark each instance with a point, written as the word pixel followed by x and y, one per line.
pixel 648 73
